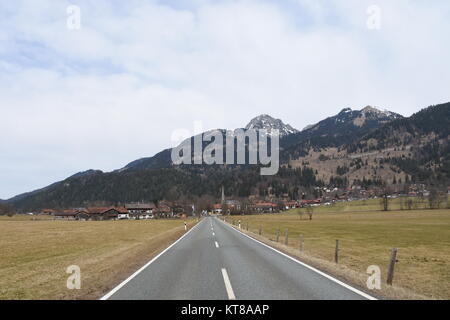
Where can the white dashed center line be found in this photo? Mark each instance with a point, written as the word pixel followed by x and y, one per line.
pixel 217 245
pixel 230 292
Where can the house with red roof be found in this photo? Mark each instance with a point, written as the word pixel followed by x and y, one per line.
pixel 217 208
pixel 290 204
pixel 106 213
pixel 265 207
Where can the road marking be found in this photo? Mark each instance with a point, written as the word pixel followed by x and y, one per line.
pixel 230 292
pixel 109 294
pixel 217 245
pixel 214 234
pixel 361 293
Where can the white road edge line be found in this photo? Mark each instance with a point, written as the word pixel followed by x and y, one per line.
pixel 361 293
pixel 117 288
pixel 217 245
pixel 227 282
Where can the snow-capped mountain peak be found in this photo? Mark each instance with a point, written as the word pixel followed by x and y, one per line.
pixel 369 110
pixel 368 116
pixel 269 123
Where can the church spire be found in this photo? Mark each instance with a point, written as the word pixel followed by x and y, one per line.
pixel 223 195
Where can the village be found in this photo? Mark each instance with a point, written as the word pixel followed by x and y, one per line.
pixel 225 206
pixel 148 210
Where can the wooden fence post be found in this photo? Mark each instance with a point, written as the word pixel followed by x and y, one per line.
pixel 247 226
pixel 301 242
pixel 260 230
pixel 336 252
pixel 278 235
pixel 390 275
pixel 286 237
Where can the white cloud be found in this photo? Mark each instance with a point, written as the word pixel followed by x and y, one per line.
pixel 116 89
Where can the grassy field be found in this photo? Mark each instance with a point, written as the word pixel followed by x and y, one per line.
pixel 34 255
pixel 375 205
pixel 366 238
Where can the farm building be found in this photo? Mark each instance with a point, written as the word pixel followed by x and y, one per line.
pixel 217 208
pixel 140 210
pixel 65 215
pixel 103 213
pixel 163 211
pixel 265 207
pixel 72 214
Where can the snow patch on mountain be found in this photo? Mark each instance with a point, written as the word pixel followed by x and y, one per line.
pixel 269 123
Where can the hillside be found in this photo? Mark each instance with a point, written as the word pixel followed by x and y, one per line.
pixel 163 159
pixel 405 150
pixel 420 145
pixel 342 129
pixel 365 147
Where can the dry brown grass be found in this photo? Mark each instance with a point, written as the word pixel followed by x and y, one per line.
pixel 422 239
pixel 34 255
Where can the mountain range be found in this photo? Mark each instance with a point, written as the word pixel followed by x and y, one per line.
pixel 367 147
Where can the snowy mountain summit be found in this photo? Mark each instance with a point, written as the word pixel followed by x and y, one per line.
pixel 369 117
pixel 265 121
pixel 380 113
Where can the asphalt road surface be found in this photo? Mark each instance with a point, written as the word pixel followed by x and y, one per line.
pixel 215 261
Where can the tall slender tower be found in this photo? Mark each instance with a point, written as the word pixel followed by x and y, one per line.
pixel 223 195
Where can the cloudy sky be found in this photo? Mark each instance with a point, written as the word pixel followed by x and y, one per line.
pixel 115 89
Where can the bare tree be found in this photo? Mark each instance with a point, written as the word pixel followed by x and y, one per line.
pixel 435 199
pixel 226 210
pixel 384 201
pixel 310 211
pixel 245 206
pixel 448 202
pixel 300 214
pixel 409 203
pixel 420 201
pixel 5 209
pixel 205 202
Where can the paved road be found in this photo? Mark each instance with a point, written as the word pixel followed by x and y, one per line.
pixel 215 261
